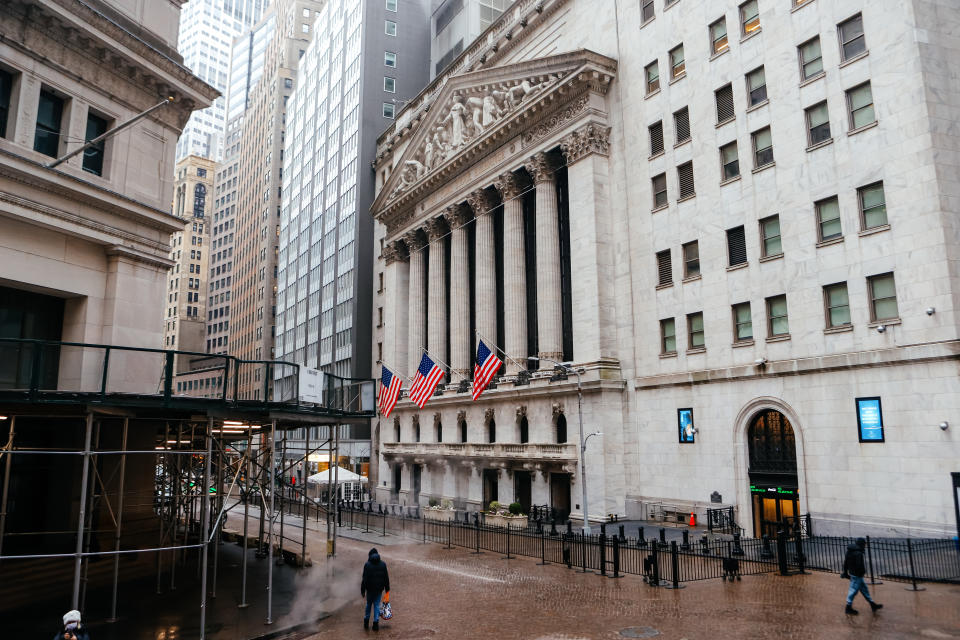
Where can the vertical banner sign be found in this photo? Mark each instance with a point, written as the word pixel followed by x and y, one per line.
pixel 685 425
pixel 870 419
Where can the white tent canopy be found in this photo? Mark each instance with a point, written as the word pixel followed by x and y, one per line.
pixel 343 475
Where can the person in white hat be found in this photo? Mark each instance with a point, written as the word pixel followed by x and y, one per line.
pixel 73 629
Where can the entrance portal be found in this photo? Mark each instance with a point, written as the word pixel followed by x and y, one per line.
pixel 773 473
pixel 490 486
pixel 521 489
pixel 560 494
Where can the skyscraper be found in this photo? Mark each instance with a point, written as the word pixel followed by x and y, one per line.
pixel 207 32
pixel 454 24
pixel 365 60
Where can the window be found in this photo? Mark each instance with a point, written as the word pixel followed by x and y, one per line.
pixel 392 5
pixel 6 91
pixel 762 148
pixel 756 87
pixel 691 259
pixel 93 155
pixel 389 84
pixel 660 191
pixel 656 138
pixel 818 124
pixel 685 180
pixel 668 336
pixel 646 10
pixel 46 140
pixel 724 97
pixel 304 28
pixel 770 234
pixel 736 246
pixel 883 298
pixel 695 331
pixel 388 109
pixel 749 18
pixel 652 72
pixel 729 162
pixel 837 305
pixel 860 106
pixel 677 66
pixel 742 322
pixel 681 125
pixel 390 27
pixel 777 316
pixel 664 268
pixel 873 206
pixel 828 218
pixel 389 59
pixel 811 62
pixel 852 42
pixel 718 36
pixel 201 172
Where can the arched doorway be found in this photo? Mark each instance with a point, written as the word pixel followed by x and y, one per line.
pixel 774 486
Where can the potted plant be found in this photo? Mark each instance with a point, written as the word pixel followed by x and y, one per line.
pixel 438 510
pixel 498 515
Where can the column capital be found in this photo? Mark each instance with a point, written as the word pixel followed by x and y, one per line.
pixel 456 216
pixel 507 184
pixel 414 240
pixel 435 228
pixel 592 138
pixel 540 168
pixel 395 251
pixel 480 201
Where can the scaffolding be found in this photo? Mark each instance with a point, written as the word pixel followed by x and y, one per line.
pixel 163 472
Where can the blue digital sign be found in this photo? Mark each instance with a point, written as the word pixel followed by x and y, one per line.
pixel 870 419
pixel 685 425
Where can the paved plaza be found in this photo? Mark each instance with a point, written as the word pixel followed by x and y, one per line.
pixel 452 593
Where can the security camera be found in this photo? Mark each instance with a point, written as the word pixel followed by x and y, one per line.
pixel 881 328
pixel 944 425
pixel 760 362
pixel 931 311
pixel 690 430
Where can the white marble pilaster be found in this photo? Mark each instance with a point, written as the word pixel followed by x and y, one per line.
pixel 549 309
pixel 514 270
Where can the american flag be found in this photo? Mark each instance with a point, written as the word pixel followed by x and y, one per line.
pixel 487 364
pixel 425 382
pixel 389 391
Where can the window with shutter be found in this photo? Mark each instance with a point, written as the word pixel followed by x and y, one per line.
pixel 681 124
pixel 736 246
pixel 724 97
pixel 691 259
pixel 660 191
pixel 656 138
pixel 685 180
pixel 664 268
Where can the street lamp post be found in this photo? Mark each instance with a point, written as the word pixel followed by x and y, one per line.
pixel 583 442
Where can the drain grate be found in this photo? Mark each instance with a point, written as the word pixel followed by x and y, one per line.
pixel 639 632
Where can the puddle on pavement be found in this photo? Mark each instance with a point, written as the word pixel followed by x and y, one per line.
pixel 639 632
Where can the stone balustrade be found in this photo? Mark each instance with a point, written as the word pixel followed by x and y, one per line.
pixel 530 451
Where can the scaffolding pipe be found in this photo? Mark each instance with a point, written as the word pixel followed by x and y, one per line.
pixel 162 507
pixel 336 486
pixel 246 515
pixel 116 542
pixel 283 491
pixel 92 507
pixel 263 486
pixel 303 490
pixel 82 512
pixel 175 520
pixel 217 527
pixel 6 481
pixel 205 528
pixel 273 436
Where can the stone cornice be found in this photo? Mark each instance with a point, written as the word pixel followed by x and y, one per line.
pixel 138 256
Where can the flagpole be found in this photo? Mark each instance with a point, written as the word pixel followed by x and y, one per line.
pixel 394 370
pixel 445 364
pixel 506 355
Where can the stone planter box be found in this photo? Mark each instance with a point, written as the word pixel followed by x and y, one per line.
pixel 442 515
pixel 514 522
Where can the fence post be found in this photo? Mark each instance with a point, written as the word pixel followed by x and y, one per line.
pixel 675 566
pixel 737 549
pixel 476 527
pixel 641 541
pixel 543 547
pixel 449 533
pixel 367 529
pixel 870 561
pixel 424 521
pixel 765 552
pixel 655 569
pixel 565 550
pixel 801 558
pixel 663 537
pixel 913 571
pixel 686 541
pixel 384 524
pixel 782 553
pixel 616 557
pixel 603 550
pixel 583 552
pixel 508 543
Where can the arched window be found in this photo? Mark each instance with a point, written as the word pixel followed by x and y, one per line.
pixel 439 431
pixel 771 443
pixel 561 429
pixel 396 429
pixel 463 430
pixel 199 200
pixel 524 430
pixel 416 431
pixel 492 430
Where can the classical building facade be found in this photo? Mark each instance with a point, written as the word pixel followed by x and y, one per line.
pixel 731 226
pixel 84 244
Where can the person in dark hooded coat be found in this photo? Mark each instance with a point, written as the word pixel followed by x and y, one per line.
pixel 855 568
pixel 374 582
pixel 73 629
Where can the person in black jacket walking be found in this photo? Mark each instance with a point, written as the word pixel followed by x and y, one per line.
pixel 855 568
pixel 375 581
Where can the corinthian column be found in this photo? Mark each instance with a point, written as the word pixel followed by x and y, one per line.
pixel 416 301
pixel 514 272
pixel 485 265
pixel 395 331
pixel 456 217
pixel 549 311
pixel 437 295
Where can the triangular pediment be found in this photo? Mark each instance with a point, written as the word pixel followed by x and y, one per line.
pixel 474 109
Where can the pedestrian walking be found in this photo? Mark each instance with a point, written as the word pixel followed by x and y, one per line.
pixel 374 582
pixel 73 629
pixel 855 568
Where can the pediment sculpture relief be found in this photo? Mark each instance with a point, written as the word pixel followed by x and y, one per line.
pixel 464 118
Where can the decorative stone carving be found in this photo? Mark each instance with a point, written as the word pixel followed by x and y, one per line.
pixel 456 216
pixel 395 251
pixel 414 241
pixel 488 415
pixel 539 167
pixel 436 419
pixel 461 416
pixel 557 409
pixel 416 423
pixel 556 121
pixel 507 184
pixel 521 412
pixel 592 138
pixel 481 202
pixel 435 228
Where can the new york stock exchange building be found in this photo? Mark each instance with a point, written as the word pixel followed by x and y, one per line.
pixel 719 235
